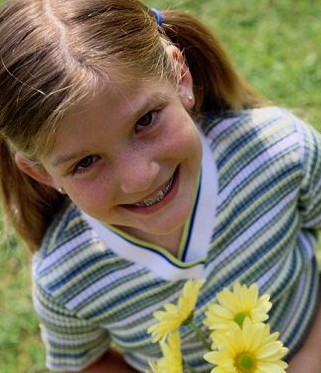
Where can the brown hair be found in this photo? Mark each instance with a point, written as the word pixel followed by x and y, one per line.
pixel 54 53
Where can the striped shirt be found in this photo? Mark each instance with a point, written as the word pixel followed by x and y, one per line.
pixel 255 216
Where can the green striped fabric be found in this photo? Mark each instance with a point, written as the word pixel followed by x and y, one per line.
pixel 262 230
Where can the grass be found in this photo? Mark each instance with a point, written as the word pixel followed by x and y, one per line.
pixel 275 45
pixel 21 350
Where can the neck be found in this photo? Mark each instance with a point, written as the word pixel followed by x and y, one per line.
pixel 169 242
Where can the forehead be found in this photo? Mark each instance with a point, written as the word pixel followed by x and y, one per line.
pixel 115 107
pixel 119 100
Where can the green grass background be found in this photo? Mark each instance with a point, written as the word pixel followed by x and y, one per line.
pixel 276 45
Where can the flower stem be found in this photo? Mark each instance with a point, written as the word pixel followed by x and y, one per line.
pixel 190 369
pixel 200 335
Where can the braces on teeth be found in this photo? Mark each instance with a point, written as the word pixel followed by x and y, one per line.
pixel 159 196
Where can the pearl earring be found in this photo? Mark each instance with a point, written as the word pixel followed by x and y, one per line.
pixel 61 190
pixel 190 101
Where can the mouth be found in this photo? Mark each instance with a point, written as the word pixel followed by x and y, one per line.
pixel 157 197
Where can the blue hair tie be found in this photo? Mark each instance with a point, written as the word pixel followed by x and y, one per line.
pixel 158 16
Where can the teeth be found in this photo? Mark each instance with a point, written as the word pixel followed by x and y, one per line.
pixel 157 198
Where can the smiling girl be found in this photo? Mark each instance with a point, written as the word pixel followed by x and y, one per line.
pixel 130 157
pixel 133 158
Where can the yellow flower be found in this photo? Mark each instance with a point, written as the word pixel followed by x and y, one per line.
pixel 236 305
pixel 175 315
pixel 250 349
pixel 172 360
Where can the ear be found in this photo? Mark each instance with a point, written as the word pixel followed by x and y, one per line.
pixel 36 172
pixel 186 80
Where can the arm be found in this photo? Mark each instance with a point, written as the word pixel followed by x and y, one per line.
pixel 111 362
pixel 308 358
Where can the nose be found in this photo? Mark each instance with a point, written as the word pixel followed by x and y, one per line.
pixel 138 174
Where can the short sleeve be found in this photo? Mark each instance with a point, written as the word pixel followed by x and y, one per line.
pixel 71 343
pixel 310 192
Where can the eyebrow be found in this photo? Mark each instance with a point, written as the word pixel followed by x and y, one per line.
pixel 68 158
pixel 157 98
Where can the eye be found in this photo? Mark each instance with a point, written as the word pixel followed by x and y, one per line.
pixel 147 120
pixel 85 163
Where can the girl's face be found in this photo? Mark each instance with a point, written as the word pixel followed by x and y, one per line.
pixel 131 157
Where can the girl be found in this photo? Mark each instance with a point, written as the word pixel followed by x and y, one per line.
pixel 133 158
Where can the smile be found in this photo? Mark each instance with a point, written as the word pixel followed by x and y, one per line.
pixel 159 196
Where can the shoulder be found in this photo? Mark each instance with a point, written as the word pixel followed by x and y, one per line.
pixel 258 120
pixel 253 132
pixel 264 146
pixel 68 230
pixel 69 249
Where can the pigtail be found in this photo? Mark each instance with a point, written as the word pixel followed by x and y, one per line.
pixel 28 206
pixel 217 84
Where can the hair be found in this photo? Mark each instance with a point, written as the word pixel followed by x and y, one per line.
pixel 54 53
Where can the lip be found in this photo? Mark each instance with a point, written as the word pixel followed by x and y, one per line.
pixel 170 194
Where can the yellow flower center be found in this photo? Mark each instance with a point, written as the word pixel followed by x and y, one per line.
pixel 245 363
pixel 240 317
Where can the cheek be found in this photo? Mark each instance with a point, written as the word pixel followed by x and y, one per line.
pixel 182 137
pixel 93 195
pixel 189 144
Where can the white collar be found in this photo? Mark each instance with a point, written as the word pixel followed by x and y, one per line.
pixel 195 242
